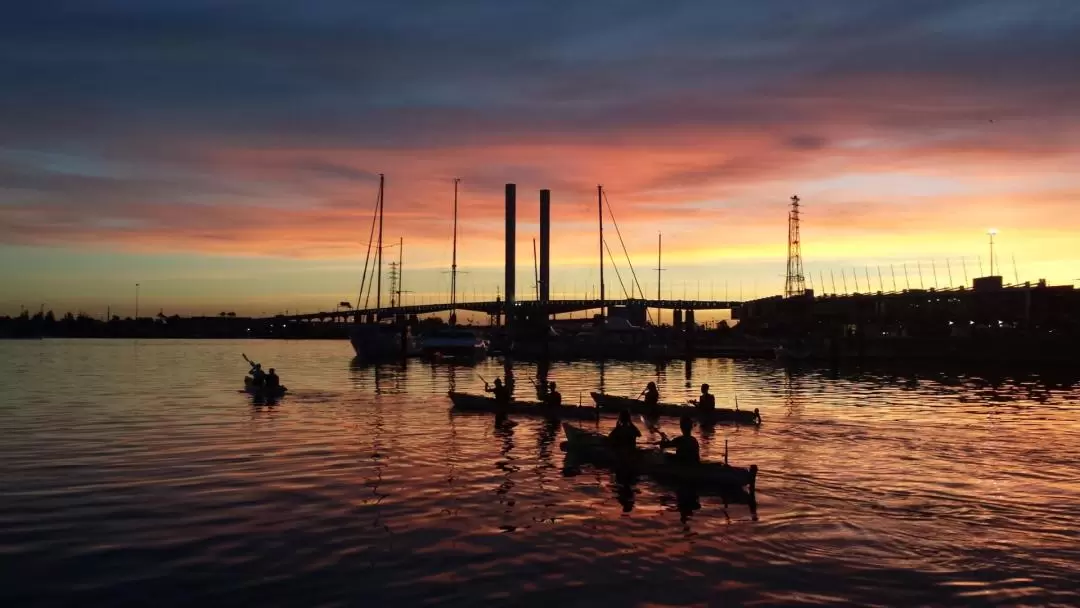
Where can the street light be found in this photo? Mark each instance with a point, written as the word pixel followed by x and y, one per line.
pixel 992 232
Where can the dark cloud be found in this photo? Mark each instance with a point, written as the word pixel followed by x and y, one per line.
pixel 806 142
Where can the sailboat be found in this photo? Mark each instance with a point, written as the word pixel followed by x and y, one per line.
pixel 382 340
pixel 454 342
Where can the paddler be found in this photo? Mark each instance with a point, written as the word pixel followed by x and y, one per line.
pixel 686 447
pixel 502 394
pixel 624 436
pixel 272 380
pixel 652 399
pixel 552 397
pixel 258 376
pixel 707 402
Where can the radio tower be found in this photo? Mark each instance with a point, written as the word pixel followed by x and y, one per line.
pixel 795 284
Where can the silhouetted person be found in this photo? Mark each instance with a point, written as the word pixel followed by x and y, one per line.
pixel 552 398
pixel 707 402
pixel 272 380
pixel 686 447
pixel 624 436
pixel 258 376
pixel 652 399
pixel 501 392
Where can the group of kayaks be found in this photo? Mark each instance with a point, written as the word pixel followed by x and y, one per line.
pixel 595 448
pixel 466 402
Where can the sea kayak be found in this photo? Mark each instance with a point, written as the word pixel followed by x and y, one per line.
pixel 464 402
pixel 658 465
pixel 264 392
pixel 616 403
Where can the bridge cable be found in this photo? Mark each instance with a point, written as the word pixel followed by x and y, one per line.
pixel 626 253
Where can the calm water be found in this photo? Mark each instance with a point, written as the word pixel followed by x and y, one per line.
pixel 134 473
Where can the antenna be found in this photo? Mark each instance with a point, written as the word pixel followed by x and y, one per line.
pixel 795 283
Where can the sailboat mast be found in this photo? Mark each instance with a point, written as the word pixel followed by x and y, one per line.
pixel 378 271
pixel 659 269
pixel 600 214
pixel 400 267
pixel 453 262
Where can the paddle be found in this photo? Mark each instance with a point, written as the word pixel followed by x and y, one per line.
pixel 652 427
pixel 483 380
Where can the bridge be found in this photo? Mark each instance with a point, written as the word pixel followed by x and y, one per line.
pixel 524 308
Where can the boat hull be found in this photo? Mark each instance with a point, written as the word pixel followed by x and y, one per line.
pixel 658 465
pixel 635 406
pixel 380 342
pixel 464 402
pixel 263 392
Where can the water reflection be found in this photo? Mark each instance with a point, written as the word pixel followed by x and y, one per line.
pixel 359 478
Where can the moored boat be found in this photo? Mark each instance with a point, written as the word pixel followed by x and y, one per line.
pixel 636 406
pixel 375 342
pixel 454 342
pixel 464 402
pixel 659 465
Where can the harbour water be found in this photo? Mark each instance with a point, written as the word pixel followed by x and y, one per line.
pixel 134 473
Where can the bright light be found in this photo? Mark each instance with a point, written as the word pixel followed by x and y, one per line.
pixel 992 231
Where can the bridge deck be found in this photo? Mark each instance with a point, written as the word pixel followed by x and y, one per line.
pixel 496 307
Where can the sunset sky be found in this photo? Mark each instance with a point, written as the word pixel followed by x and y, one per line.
pixel 225 155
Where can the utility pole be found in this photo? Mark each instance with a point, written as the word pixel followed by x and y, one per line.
pixel 795 283
pixel 992 232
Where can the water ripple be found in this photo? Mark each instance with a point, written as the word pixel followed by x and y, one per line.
pixel 876 487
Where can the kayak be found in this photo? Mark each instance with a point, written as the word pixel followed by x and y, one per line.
pixel 636 406
pixel 263 391
pixel 464 402
pixel 659 465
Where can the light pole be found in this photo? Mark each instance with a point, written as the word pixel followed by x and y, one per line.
pixel 992 232
pixel 136 301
